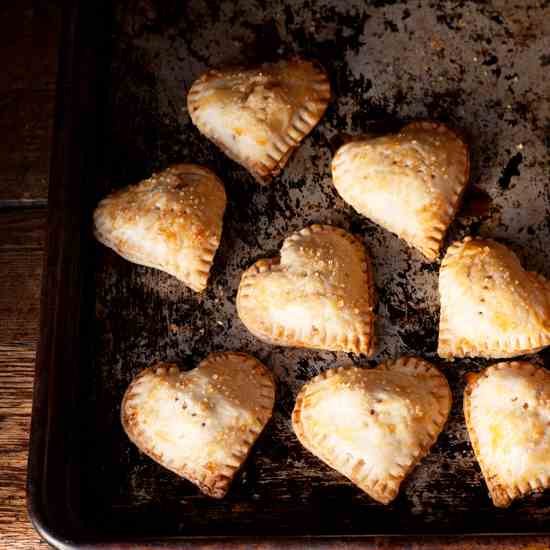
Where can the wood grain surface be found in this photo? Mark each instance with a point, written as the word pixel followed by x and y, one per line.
pixel 21 246
pixel 28 51
pixel 29 33
pixel 28 56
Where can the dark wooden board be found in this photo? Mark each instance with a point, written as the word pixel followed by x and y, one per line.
pixel 24 169
pixel 21 247
pixel 29 32
pixel 105 319
pixel 28 56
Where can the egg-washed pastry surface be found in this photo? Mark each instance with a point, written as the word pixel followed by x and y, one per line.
pixel 258 116
pixel 490 306
pixel 171 221
pixel 373 425
pixel 317 294
pixel 507 410
pixel 409 183
pixel 201 424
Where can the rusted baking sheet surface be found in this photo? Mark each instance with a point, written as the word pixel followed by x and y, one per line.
pixel 481 67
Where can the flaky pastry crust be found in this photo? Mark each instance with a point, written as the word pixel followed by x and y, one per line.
pixel 490 306
pixel 507 411
pixel 200 424
pixel 373 425
pixel 318 294
pixel 409 183
pixel 171 221
pixel 258 116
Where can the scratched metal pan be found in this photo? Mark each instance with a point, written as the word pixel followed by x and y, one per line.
pixel 481 67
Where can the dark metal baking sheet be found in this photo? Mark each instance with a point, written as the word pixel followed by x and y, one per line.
pixel 479 66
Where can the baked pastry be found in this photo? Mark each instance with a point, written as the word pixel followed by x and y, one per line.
pixel 317 294
pixel 490 306
pixel 200 424
pixel 258 116
pixel 507 410
pixel 373 425
pixel 409 183
pixel 171 221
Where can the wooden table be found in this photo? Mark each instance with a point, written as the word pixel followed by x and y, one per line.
pixel 29 34
pixel 28 48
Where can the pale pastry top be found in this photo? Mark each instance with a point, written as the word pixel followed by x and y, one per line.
pixel 258 116
pixel 409 183
pixel 373 425
pixel 202 423
pixel 171 221
pixel 318 294
pixel 507 407
pixel 490 306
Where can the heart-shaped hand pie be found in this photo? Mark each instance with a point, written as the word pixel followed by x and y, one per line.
pixel 200 424
pixel 171 221
pixel 373 425
pixel 410 182
pixel 318 294
pixel 490 306
pixel 259 116
pixel 507 410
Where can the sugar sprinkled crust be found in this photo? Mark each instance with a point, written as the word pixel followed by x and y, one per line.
pixel 409 183
pixel 317 294
pixel 373 425
pixel 258 116
pixel 200 424
pixel 507 411
pixel 490 306
pixel 171 221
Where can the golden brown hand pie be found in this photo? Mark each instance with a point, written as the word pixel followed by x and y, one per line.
pixel 409 183
pixel 317 294
pixel 490 306
pixel 259 116
pixel 200 424
pixel 171 221
pixel 373 425
pixel 507 410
